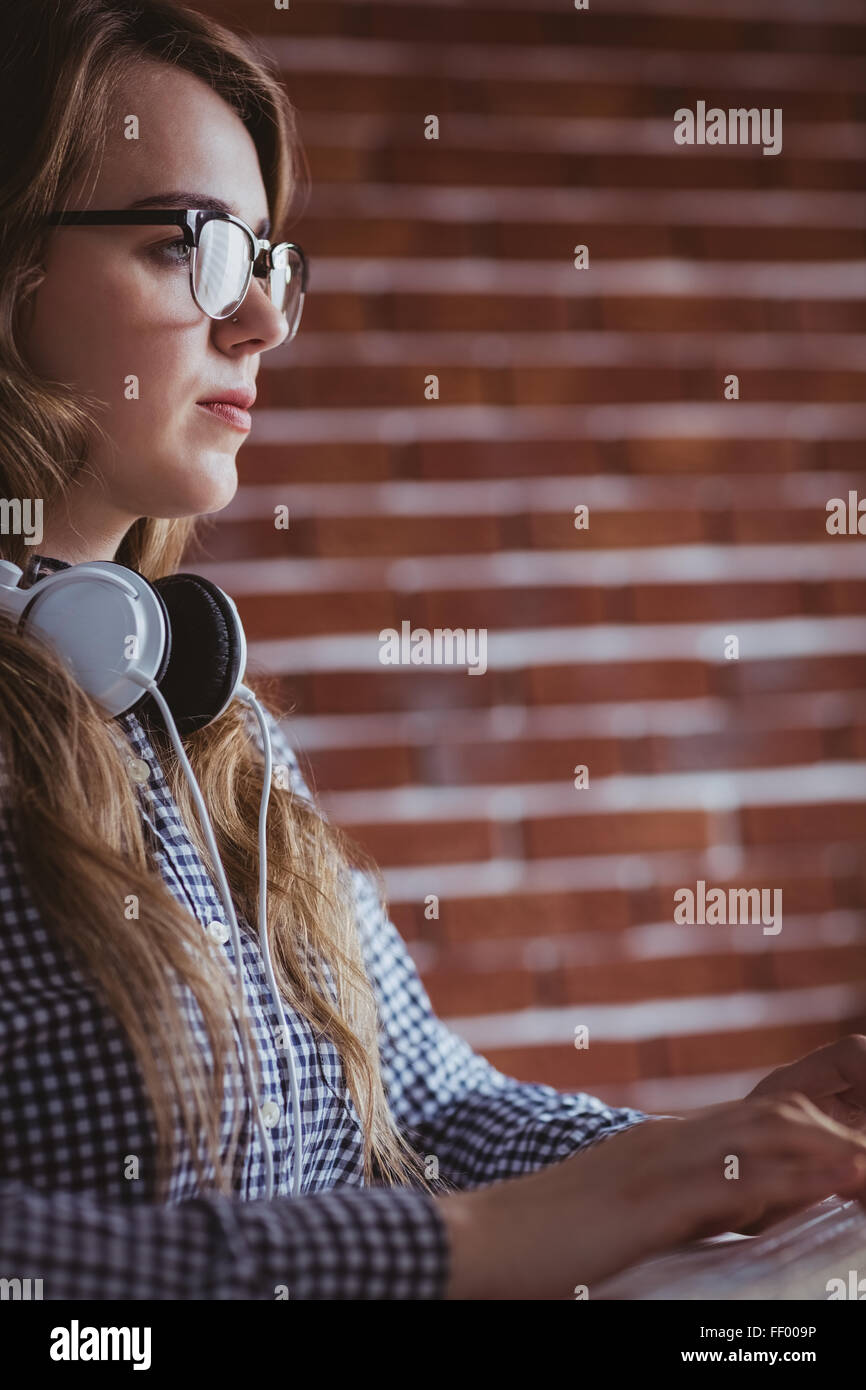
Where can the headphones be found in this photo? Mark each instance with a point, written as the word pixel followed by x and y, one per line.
pixel 174 647
pixel 115 629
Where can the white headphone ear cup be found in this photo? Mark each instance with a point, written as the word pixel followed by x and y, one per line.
pixel 105 621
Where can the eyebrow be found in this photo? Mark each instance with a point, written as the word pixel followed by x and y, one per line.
pixel 184 199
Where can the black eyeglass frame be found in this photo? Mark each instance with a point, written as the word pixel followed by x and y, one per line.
pixel 191 221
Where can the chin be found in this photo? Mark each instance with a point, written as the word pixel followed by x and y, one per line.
pixel 218 498
pixel 209 489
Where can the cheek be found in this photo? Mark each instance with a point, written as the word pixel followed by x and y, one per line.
pixel 97 320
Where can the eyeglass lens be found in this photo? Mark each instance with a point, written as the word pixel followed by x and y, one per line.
pixel 223 264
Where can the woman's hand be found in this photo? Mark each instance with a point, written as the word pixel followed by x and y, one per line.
pixel 834 1077
pixel 656 1185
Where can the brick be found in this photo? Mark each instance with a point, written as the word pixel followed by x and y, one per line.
pixel 526 914
pixel 543 241
pixel 509 458
pixel 430 842
pixel 374 692
pixel 238 540
pixel 480 991
pixel 621 982
pixel 844 596
pixel 551 530
pixel 780 526
pixel 266 616
pixel 638 680
pixel 657 313
pixel 809 969
pixel 357 769
pixel 263 464
pixel 734 748
pixel 501 609
pixel 858 741
pixel 626 833
pixel 407 919
pixel 754 676
pixel 523 760
pixel 685 603
pixel 707 456
pixel 567 1067
pixel 803 824
pixel 406 535
pixel 768 1047
pixel 777 243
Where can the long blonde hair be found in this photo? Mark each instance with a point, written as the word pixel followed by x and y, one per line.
pixel 65 779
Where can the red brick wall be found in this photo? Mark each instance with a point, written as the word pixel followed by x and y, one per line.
pixel 560 387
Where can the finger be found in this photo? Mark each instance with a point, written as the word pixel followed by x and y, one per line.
pixel 837 1066
pixel 767 1191
pixel 769 1218
pixel 845 1111
pixel 779 1213
pixel 789 1182
pixel 807 1110
pixel 855 1186
pixel 796 1126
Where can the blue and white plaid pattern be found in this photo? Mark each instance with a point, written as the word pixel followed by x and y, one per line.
pixel 73 1109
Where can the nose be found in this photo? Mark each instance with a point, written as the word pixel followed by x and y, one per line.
pixel 257 320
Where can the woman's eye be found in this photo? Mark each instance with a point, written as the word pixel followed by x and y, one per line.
pixel 173 252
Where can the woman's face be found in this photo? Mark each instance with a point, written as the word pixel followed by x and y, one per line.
pixel 115 304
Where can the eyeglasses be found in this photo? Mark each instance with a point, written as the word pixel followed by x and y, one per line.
pixel 224 255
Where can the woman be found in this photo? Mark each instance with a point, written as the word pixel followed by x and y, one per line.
pixel 130 1166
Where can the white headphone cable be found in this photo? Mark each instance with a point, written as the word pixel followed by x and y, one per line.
pixel 248 698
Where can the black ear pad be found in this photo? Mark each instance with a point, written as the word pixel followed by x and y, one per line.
pixel 205 654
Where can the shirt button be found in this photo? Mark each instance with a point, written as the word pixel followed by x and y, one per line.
pixel 218 931
pixel 270 1113
pixel 139 770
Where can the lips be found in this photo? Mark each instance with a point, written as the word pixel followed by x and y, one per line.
pixel 243 397
pixel 232 407
pixel 229 414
